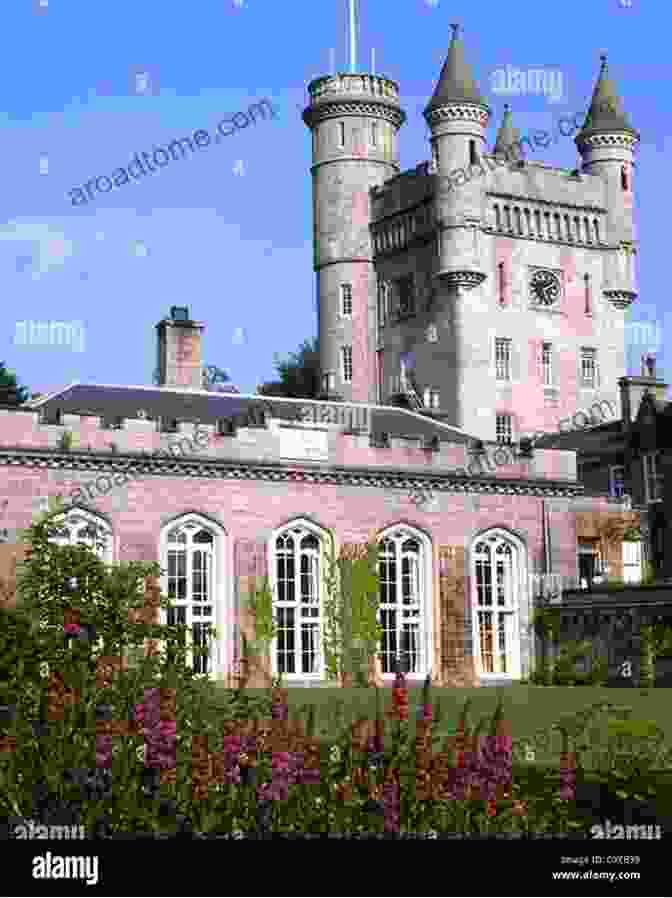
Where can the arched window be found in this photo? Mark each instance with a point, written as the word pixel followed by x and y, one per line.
pixel 189 550
pixel 497 584
pixel 404 571
pixel 80 527
pixel 297 602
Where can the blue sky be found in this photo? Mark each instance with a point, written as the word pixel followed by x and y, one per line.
pixel 228 231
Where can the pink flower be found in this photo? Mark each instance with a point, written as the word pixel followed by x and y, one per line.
pixel 71 629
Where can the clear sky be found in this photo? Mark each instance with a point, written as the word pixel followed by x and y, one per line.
pixel 228 231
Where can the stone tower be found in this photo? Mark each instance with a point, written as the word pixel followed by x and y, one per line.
pixel 607 145
pixel 354 120
pixel 457 117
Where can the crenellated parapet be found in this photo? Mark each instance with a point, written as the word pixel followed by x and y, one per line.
pixel 87 443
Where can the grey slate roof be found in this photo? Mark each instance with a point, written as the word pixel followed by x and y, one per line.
pixel 112 402
pixel 606 113
pixel 508 137
pixel 456 83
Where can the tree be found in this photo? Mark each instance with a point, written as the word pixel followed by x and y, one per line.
pixel 299 374
pixel 212 375
pixel 11 394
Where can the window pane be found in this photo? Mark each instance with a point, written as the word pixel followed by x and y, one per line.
pixel 203 537
pixel 486 640
pixel 309 647
pixel 388 619
pixel 285 652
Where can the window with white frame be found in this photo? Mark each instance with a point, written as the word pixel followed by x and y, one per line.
pixel 588 367
pixel 297 603
pixel 503 358
pixel 632 562
pixel 346 300
pixel 401 572
pixel 432 397
pixel 346 362
pixel 497 588
pixel 547 364
pixel 79 527
pixel 504 429
pixel 617 481
pixel 188 550
pixel 653 480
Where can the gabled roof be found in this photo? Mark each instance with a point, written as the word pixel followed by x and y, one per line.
pixel 114 401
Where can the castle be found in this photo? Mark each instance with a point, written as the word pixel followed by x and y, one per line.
pixel 495 300
pixel 456 314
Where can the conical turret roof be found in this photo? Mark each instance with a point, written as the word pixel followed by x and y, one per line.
pixel 456 83
pixel 507 136
pixel 606 113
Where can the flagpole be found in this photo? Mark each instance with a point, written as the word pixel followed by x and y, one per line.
pixel 353 37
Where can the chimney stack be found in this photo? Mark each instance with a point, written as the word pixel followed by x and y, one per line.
pixel 633 389
pixel 180 361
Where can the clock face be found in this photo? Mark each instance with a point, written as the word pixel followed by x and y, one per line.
pixel 545 287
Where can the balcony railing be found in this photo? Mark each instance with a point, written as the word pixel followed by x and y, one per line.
pixel 549 587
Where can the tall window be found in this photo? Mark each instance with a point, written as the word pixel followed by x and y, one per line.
pixel 625 183
pixel 346 300
pixel 346 356
pixel 503 358
pixel 653 479
pixel 374 134
pixel 402 602
pixel 189 551
pixel 617 481
pixel 592 568
pixel 504 426
pixel 406 294
pixel 383 295
pixel 497 588
pixel 586 280
pixel 501 284
pixel 341 134
pixel 297 603
pixel 473 154
pixel 588 368
pixel 547 364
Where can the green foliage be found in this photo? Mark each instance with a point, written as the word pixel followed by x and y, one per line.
pixel 265 626
pixel 20 651
pixel 11 394
pixel 351 633
pixel 65 441
pixel 299 374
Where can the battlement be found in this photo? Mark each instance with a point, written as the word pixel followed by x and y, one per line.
pixel 272 440
pixel 333 87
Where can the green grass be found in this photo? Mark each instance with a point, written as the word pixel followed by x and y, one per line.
pixel 528 709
